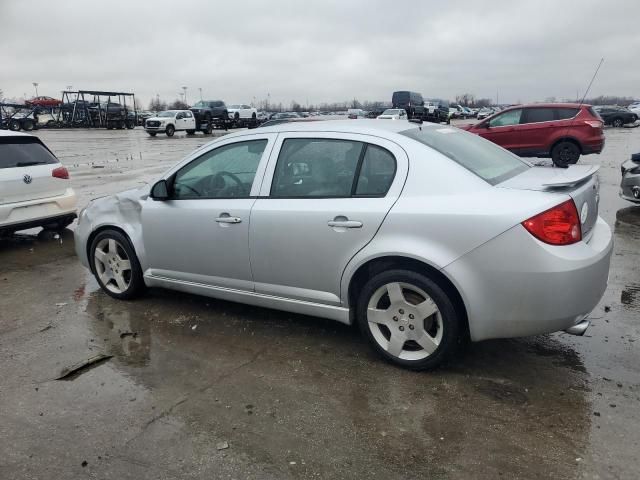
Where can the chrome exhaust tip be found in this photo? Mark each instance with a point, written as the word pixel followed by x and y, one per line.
pixel 578 328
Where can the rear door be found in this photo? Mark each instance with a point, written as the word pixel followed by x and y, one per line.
pixel 537 126
pixel 323 198
pixel 26 167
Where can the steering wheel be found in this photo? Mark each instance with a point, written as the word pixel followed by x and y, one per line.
pixel 213 180
pixel 189 187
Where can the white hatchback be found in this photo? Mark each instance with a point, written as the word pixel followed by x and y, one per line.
pixel 34 186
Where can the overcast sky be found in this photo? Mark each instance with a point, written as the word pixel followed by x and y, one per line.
pixel 317 51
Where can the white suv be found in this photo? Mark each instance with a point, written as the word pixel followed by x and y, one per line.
pixel 34 186
pixel 242 114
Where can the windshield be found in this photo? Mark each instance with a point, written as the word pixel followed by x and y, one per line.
pixel 391 112
pixel 168 113
pixel 482 157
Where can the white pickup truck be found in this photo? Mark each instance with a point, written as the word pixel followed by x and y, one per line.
pixel 242 114
pixel 170 122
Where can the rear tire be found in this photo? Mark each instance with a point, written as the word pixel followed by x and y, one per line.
pixel 408 319
pixel 565 153
pixel 116 267
pixel 170 130
pixel 28 125
pixel 14 125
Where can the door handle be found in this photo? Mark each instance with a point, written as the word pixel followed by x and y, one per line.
pixel 345 223
pixel 228 219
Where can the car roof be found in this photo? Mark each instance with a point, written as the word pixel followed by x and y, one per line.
pixel 362 126
pixel 9 133
pixel 549 105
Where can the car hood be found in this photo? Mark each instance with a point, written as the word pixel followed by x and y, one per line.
pixel 388 117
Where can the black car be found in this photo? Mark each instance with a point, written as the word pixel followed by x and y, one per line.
pixel 211 113
pixel 616 116
pixel 436 110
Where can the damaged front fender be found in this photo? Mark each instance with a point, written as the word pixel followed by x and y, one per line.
pixel 122 211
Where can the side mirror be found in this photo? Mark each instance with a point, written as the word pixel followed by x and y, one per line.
pixel 160 190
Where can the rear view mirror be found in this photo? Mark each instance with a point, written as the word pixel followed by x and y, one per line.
pixel 160 190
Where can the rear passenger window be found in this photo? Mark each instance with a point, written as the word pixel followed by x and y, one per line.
pixel 325 168
pixel 377 171
pixel 536 115
pixel 566 113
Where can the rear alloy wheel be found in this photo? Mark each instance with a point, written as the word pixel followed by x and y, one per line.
pixel 617 122
pixel 408 319
pixel 115 265
pixel 565 154
pixel 170 130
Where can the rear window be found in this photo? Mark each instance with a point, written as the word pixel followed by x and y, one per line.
pixel 23 152
pixel 482 157
pixel 566 113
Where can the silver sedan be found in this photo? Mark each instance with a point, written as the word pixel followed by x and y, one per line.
pixel 421 234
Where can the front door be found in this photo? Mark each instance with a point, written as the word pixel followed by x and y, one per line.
pixel 323 198
pixel 502 129
pixel 201 233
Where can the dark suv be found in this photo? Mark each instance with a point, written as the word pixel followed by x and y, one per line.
pixel 562 131
pixel 411 102
pixel 616 116
pixel 211 113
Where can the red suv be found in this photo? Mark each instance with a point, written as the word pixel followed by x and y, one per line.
pixel 562 131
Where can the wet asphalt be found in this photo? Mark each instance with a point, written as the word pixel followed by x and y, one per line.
pixel 200 388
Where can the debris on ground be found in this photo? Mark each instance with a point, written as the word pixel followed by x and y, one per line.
pixel 61 304
pixel 84 463
pixel 44 329
pixel 194 327
pixel 72 372
pixel 222 446
pixel 607 308
pixel 129 334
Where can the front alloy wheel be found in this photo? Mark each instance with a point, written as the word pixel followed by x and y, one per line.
pixel 115 265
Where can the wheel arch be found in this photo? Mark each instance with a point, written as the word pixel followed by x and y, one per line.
pixel 379 264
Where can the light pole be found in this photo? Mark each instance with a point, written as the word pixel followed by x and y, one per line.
pixel 185 93
pixel 35 85
pixel 200 92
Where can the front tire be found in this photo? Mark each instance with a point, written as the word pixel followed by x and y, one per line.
pixel 14 125
pixel 565 154
pixel 617 122
pixel 170 130
pixel 115 265
pixel 408 319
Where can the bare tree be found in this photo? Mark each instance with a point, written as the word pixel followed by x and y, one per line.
pixel 157 105
pixel 466 99
pixel 178 105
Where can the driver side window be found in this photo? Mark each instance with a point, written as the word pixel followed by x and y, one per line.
pixel 225 172
pixel 512 117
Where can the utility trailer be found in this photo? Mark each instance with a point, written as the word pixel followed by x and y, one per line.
pixel 98 109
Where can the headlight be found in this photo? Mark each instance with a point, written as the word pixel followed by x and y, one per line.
pixel 162 122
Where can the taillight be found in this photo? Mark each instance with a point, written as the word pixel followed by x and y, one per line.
pixel 559 225
pixel 60 172
pixel 594 123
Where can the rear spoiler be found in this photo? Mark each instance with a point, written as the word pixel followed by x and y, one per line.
pixel 571 176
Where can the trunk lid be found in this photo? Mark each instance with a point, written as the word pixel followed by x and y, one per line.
pixel 580 182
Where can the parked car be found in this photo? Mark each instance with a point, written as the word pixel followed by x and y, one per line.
pixel 420 234
pixel 464 112
pixel 44 101
pixel 484 113
pixel 635 108
pixel 242 114
pixel 35 190
pixel 171 121
pixel 561 131
pixel 630 184
pixel 211 113
pixel 353 113
pixel 616 116
pixel 453 113
pixel 436 110
pixel 393 114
